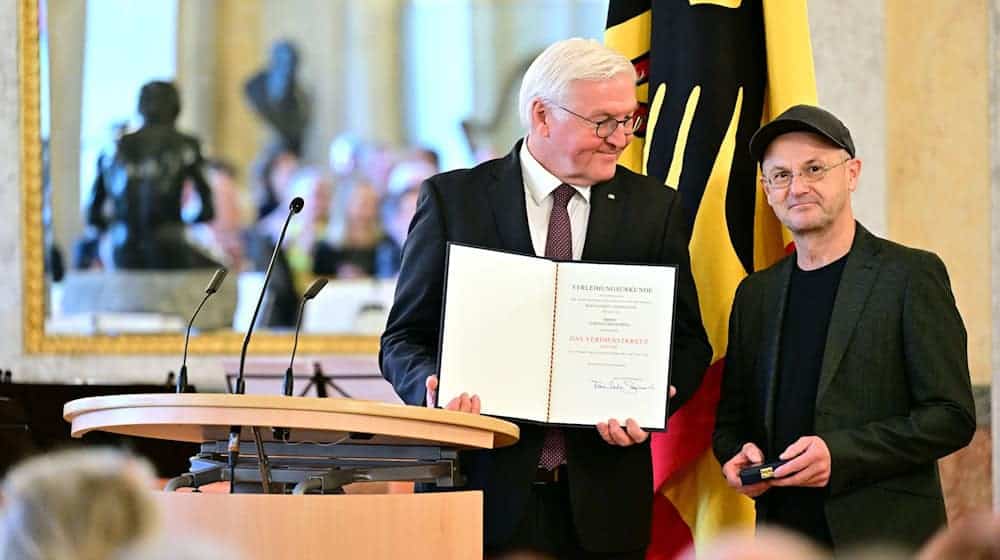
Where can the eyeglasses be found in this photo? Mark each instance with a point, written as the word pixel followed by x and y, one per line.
pixel 780 179
pixel 608 126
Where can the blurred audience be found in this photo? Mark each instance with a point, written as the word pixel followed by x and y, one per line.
pixel 426 155
pixel 399 211
pixel 95 504
pixel 273 176
pixel 344 156
pixel 358 208
pixel 354 235
pixel 398 208
pixel 272 172
pixel 222 238
pixel 375 163
pixel 81 504
pixel 315 188
pixel 408 175
pixel 280 303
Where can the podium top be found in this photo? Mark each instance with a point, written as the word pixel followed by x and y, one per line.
pixel 201 417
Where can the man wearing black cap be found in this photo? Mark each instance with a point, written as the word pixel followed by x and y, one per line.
pixel 847 359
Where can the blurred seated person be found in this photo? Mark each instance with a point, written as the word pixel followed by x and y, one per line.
pixel 81 504
pixel 275 176
pixel 354 236
pixel 344 156
pixel 353 158
pixel 136 199
pixel 408 175
pixel 272 173
pixel 398 208
pixel 222 238
pixel 375 163
pixel 315 188
pixel 425 155
pixel 431 156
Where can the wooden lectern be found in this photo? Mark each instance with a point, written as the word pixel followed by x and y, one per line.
pixel 302 450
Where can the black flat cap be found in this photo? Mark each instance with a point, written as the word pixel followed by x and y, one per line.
pixel 802 118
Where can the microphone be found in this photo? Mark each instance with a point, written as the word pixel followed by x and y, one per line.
pixel 213 286
pixel 288 385
pixel 234 431
pixel 293 208
pixel 313 290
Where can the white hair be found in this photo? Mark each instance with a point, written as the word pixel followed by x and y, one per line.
pixel 550 75
pixel 79 503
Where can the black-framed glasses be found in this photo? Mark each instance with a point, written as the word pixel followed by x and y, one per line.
pixel 780 179
pixel 608 126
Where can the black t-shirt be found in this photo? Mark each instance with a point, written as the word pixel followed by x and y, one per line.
pixel 811 295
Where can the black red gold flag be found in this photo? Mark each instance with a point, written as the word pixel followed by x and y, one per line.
pixel 711 71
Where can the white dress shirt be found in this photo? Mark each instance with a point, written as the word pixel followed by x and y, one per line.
pixel 539 185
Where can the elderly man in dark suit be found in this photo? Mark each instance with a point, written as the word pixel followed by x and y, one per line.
pixel 847 359
pixel 575 493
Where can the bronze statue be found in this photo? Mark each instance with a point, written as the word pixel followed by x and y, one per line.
pixel 274 95
pixel 137 197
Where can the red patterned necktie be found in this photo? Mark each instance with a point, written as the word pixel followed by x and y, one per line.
pixel 558 245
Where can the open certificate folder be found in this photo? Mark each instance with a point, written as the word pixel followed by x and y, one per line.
pixel 557 342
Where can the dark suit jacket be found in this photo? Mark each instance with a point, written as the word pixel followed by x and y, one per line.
pixel 894 391
pixel 610 487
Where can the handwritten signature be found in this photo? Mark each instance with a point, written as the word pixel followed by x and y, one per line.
pixel 627 385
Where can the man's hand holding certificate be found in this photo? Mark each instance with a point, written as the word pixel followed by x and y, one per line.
pixel 566 343
pixel 612 432
pixel 462 403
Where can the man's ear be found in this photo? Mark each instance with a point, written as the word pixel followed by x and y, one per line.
pixel 853 173
pixel 540 118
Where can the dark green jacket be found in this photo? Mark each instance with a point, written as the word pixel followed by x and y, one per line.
pixel 894 391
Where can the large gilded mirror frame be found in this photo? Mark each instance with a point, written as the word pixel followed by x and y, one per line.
pixel 36 340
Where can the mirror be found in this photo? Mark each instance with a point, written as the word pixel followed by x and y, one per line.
pixel 346 104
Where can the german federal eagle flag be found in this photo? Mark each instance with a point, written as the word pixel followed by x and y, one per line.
pixel 711 72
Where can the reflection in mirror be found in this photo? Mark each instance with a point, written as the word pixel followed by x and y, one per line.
pixel 175 132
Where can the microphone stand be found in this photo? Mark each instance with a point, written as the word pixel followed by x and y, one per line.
pixel 234 431
pixel 314 289
pixel 289 381
pixel 213 286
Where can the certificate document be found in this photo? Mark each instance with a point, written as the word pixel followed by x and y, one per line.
pixel 560 342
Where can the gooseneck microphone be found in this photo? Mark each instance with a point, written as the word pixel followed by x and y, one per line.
pixel 213 286
pixel 289 382
pixel 293 208
pixel 234 431
pixel 313 290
